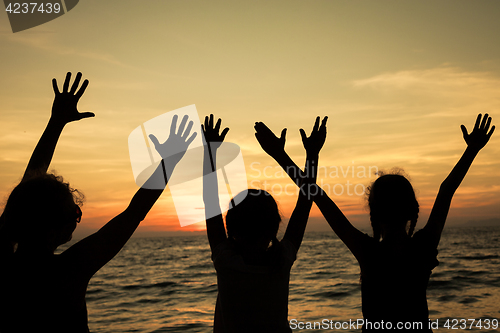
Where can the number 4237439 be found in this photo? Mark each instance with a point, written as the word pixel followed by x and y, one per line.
pixel 463 324
pixel 33 7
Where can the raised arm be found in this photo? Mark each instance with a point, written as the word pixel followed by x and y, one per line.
pixel 476 140
pixel 298 220
pixel 93 252
pixel 274 146
pixel 215 225
pixel 64 110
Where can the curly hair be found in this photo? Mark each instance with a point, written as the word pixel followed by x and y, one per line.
pixel 36 206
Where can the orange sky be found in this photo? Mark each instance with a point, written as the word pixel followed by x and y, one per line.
pixel 396 78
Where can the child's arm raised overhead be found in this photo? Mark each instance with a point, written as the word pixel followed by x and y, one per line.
pixel 64 110
pixel 215 225
pixel 312 144
pixel 476 140
pixel 93 252
pixel 274 146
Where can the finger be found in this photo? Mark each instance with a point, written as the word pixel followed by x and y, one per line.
pixel 491 131
pixel 154 140
pixel 191 138
pixel 223 134
pixel 66 82
pixel 483 123
pixel 211 121
pixel 316 125
pixel 261 127
pixel 217 126
pixel 207 118
pixel 303 135
pixel 82 88
pixel 188 130
pixel 202 129
pixel 488 123
pixel 323 122
pixel 86 115
pixel 182 125
pixel 478 120
pixel 54 86
pixel 283 135
pixel 464 131
pixel 173 125
pixel 76 83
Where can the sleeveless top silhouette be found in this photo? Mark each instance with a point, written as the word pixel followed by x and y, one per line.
pixel 394 281
pixel 252 298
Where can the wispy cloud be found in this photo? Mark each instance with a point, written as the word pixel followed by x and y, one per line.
pixel 45 40
pixel 430 79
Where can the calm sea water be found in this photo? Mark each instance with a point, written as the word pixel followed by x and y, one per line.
pixel 169 284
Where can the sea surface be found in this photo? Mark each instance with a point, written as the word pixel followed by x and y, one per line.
pixel 169 284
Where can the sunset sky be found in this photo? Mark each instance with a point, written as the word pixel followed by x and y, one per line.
pixel 395 78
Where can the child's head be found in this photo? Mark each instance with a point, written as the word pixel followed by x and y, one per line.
pixel 41 210
pixel 392 203
pixel 255 220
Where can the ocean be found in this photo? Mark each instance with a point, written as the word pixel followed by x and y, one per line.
pixel 169 285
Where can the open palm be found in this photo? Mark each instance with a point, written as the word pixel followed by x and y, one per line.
pixel 177 143
pixel 316 140
pixel 64 107
pixel 479 136
pixel 211 132
pixel 271 144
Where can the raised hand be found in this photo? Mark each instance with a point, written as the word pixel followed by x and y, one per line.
pixel 177 143
pixel 315 141
pixel 479 136
pixel 271 144
pixel 64 108
pixel 211 133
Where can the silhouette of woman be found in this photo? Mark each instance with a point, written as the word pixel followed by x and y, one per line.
pixel 394 270
pixel 41 291
pixel 253 267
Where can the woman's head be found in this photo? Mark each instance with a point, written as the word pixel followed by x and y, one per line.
pixel 40 208
pixel 392 203
pixel 255 219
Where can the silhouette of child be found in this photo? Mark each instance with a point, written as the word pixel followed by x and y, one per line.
pixel 253 267
pixel 41 291
pixel 394 270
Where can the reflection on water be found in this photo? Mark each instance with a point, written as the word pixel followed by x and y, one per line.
pixel 169 284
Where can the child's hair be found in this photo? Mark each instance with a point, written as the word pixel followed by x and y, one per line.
pixel 391 199
pixel 35 207
pixel 254 217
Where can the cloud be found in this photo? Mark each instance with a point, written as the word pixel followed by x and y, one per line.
pixel 430 79
pixel 45 40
